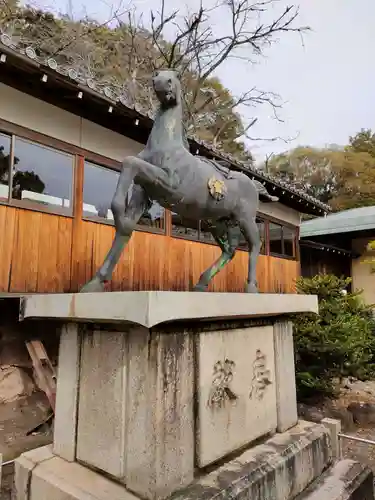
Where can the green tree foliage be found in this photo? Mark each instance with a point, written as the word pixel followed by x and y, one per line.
pixel 363 142
pixel 343 178
pixel 125 52
pixel 336 343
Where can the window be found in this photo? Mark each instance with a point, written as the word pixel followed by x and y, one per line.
pixel 205 233
pixel 262 234
pixel 276 238
pixel 289 240
pixel 42 175
pixel 98 190
pixel 184 228
pixel 5 142
pixel 154 217
pixel 282 240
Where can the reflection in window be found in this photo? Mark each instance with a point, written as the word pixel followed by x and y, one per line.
pixel 98 189
pixel 289 238
pixel 4 166
pixel 205 233
pixel 262 234
pixel 154 217
pixel 42 175
pixel 276 236
pixel 184 228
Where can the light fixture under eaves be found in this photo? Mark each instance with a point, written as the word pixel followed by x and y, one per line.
pixel 137 122
pixel 3 58
pixel 110 109
pixel 44 78
pixel 80 95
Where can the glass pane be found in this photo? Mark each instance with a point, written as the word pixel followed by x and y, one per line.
pixel 98 189
pixel 155 217
pixel 205 233
pixel 275 238
pixel 184 228
pixel 4 166
pixel 42 175
pixel 289 236
pixel 261 228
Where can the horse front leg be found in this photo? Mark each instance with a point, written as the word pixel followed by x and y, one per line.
pixel 126 216
pixel 228 241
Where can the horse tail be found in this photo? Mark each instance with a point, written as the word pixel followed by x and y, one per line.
pixel 263 193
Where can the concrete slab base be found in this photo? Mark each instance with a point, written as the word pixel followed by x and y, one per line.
pixel 279 469
pixel 40 475
pixel 345 480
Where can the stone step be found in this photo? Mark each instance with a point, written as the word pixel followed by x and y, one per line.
pixel 279 469
pixel 344 480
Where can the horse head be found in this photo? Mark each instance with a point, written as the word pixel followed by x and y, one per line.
pixel 167 88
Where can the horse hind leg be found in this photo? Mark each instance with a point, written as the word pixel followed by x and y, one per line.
pixel 250 231
pixel 126 218
pixel 226 239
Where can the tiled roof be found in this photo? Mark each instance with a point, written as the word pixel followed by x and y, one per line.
pixel 111 95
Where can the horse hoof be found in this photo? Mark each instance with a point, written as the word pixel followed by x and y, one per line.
pixel 200 288
pixel 93 286
pixel 251 288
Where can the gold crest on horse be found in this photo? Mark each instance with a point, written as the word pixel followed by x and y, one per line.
pixel 217 188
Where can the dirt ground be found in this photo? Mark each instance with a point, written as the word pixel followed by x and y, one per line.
pixel 16 419
pixel 352 393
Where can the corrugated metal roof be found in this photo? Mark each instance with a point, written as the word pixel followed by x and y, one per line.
pixel 355 219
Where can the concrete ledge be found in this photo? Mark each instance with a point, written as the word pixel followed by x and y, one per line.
pixel 279 469
pixel 39 475
pixel 149 309
pixel 346 480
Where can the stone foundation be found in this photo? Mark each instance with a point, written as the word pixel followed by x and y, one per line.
pixel 279 469
pixel 158 391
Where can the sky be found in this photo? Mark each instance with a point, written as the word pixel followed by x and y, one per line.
pixel 326 83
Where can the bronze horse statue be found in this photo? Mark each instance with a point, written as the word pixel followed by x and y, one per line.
pixel 191 186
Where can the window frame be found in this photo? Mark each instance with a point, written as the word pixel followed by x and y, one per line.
pixel 34 205
pixel 80 156
pixel 191 238
pixel 10 169
pixel 29 204
pixel 272 220
pixel 101 220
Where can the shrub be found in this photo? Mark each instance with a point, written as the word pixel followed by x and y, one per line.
pixel 336 343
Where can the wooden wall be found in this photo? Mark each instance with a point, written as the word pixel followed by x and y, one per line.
pixel 40 252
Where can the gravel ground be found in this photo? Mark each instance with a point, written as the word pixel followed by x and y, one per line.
pixel 360 451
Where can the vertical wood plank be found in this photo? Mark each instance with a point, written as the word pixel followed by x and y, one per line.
pixel 7 233
pixel 49 253
pixel 101 413
pixel 25 252
pixel 160 428
pixel 65 426
pixel 64 254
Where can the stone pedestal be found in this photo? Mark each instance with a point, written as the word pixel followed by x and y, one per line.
pixel 153 386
